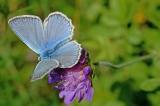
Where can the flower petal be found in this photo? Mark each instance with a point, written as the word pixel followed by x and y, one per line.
pixel 87 70
pixel 69 97
pixel 89 94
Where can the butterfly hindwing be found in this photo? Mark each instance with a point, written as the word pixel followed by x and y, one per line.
pixel 43 68
pixel 68 54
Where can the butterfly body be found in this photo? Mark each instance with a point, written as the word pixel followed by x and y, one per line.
pixel 49 53
pixel 51 39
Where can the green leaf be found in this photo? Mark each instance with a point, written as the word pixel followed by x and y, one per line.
pixel 150 84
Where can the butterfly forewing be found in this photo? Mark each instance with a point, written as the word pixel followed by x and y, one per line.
pixel 29 29
pixel 57 28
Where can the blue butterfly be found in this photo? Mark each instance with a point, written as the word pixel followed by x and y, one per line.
pixel 51 39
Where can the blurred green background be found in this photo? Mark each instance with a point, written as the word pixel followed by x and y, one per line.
pixel 112 30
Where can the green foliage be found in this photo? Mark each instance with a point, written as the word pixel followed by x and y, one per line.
pixel 112 30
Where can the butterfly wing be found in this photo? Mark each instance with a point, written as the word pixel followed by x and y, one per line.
pixel 29 29
pixel 68 54
pixel 43 68
pixel 57 28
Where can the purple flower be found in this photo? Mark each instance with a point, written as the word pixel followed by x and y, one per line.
pixel 74 82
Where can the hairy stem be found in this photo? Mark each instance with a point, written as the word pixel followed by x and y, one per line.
pixel 117 66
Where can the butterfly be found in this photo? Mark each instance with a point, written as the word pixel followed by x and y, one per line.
pixel 50 39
